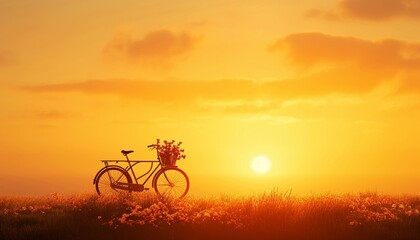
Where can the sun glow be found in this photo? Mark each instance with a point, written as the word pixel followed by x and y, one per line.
pixel 261 164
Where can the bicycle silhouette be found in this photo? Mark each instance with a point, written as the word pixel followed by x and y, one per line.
pixel 168 181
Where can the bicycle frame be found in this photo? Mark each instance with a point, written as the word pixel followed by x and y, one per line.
pixel 132 163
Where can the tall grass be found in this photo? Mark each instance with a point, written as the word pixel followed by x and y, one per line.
pixel 274 215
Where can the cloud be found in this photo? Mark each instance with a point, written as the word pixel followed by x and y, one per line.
pixel 162 91
pixel 338 65
pixel 156 49
pixel 352 65
pixel 309 49
pixel 230 96
pixel 344 81
pixel 230 93
pixel 372 10
pixel 51 114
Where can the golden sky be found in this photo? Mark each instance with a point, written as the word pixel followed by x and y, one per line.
pixel 328 90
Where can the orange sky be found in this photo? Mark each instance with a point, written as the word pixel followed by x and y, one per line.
pixel 328 90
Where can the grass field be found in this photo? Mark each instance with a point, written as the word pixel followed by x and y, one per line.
pixel 267 216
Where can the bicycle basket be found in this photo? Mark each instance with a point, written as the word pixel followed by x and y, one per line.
pixel 168 160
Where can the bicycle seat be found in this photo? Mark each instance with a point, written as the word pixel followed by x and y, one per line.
pixel 126 152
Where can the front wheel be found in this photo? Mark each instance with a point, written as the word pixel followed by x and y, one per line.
pixel 171 182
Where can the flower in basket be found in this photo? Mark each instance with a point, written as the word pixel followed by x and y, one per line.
pixel 169 152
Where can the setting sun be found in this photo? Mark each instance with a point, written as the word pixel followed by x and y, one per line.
pixel 261 164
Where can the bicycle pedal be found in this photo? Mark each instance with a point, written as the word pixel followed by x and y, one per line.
pixel 146 189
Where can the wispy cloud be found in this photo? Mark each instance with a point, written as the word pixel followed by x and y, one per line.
pixel 372 10
pixel 228 92
pixel 343 65
pixel 156 49
pixel 163 91
pixel 51 114
pixel 235 96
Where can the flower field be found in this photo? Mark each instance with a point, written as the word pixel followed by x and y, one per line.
pixel 267 216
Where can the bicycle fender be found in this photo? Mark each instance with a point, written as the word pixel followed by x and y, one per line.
pixel 95 179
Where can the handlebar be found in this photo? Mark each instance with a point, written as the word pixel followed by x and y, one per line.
pixel 153 145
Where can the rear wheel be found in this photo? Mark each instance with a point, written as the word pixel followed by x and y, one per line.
pixel 171 182
pixel 110 178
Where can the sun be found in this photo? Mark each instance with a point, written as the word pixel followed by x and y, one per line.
pixel 261 164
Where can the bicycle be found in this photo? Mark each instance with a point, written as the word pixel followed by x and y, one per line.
pixel 168 182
